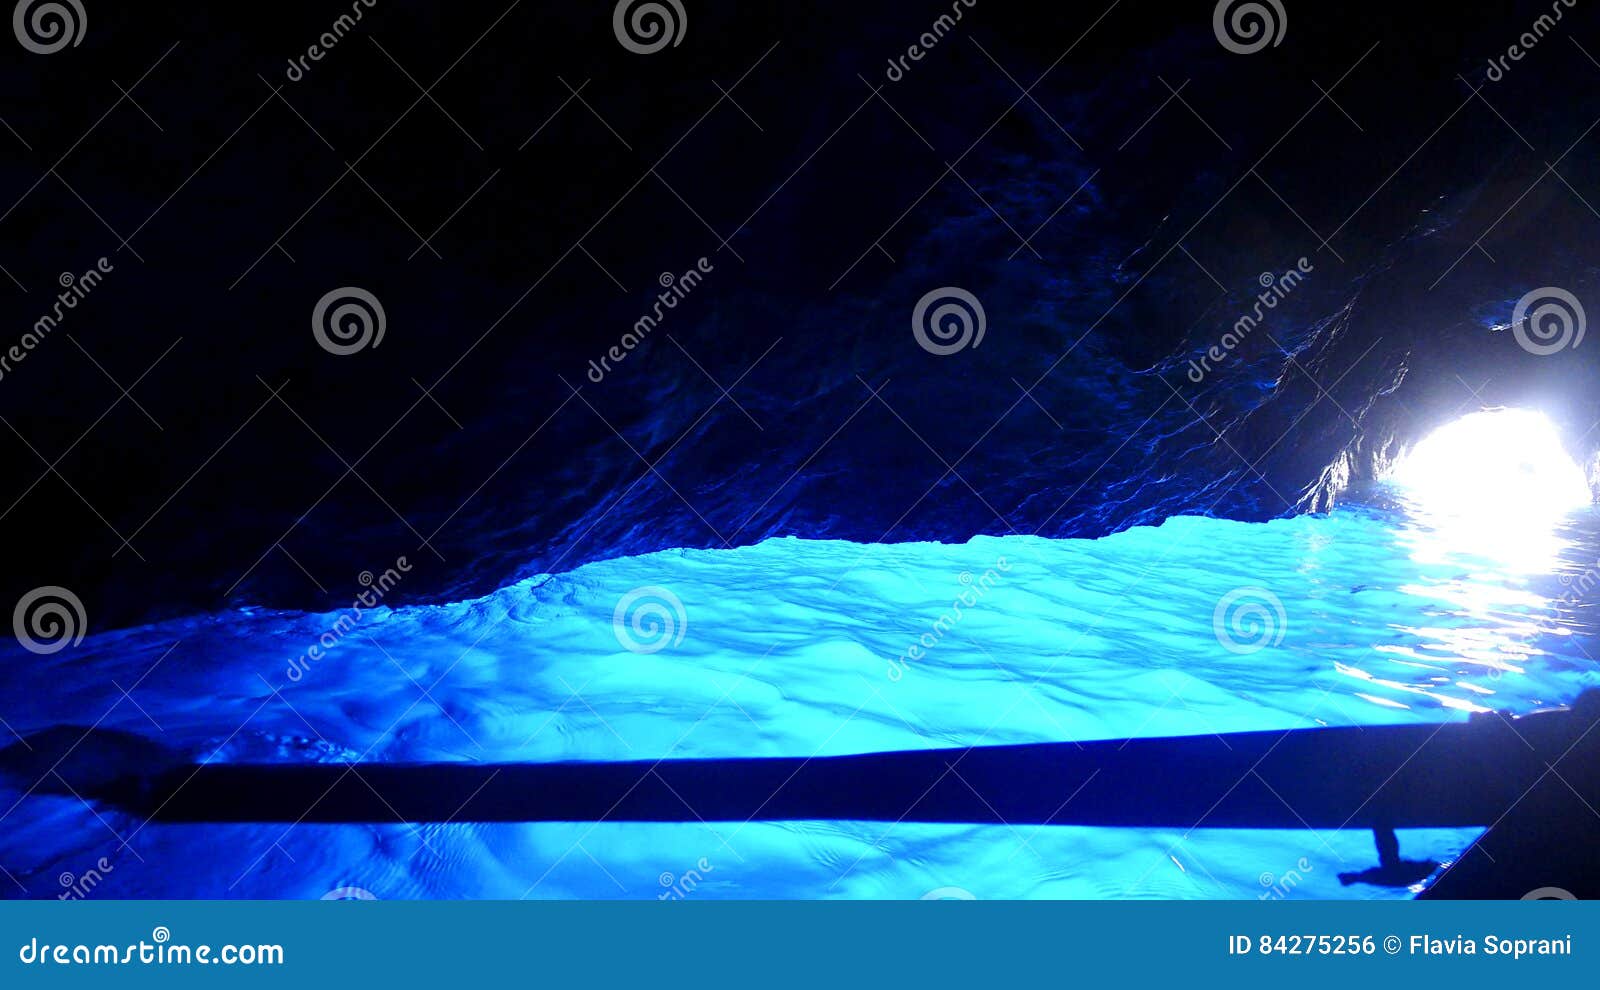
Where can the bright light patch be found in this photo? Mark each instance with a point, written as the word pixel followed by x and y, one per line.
pixel 1489 490
pixel 1506 463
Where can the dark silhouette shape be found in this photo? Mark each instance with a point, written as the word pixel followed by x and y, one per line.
pixel 1380 777
pixel 1391 871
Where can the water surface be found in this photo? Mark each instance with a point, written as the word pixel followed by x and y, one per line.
pixel 790 647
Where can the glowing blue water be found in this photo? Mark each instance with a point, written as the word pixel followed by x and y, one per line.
pixel 795 648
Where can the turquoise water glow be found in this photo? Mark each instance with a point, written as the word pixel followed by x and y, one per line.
pixel 798 647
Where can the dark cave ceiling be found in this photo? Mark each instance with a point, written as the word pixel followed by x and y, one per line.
pixel 1115 189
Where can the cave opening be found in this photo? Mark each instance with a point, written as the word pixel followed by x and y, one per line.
pixel 1495 464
